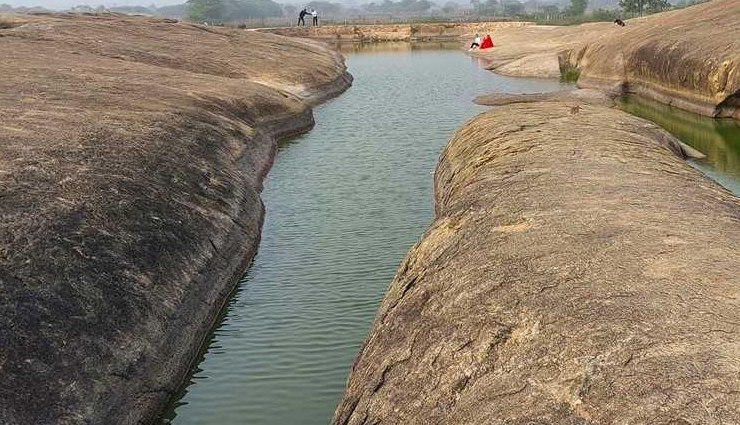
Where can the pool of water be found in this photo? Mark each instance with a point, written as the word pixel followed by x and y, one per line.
pixel 718 139
pixel 344 203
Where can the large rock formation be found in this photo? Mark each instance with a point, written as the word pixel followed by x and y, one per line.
pixel 533 51
pixel 395 32
pixel 131 157
pixel 689 58
pixel 578 272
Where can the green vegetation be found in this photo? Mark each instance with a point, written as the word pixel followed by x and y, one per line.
pixel 577 7
pixel 496 7
pixel 231 10
pixel 686 3
pixel 600 15
pixel 719 139
pixel 569 73
pixel 644 6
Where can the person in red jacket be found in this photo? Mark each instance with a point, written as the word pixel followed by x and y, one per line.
pixel 487 42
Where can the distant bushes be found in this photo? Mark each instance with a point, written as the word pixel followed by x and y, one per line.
pixel 231 10
pixel 403 6
pixel 600 15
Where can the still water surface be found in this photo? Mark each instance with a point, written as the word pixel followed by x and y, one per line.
pixel 718 139
pixel 344 203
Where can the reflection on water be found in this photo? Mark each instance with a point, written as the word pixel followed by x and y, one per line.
pixel 344 203
pixel 718 139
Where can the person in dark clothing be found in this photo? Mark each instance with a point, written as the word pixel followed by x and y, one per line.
pixel 619 22
pixel 303 13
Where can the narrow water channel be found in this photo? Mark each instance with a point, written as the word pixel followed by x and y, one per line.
pixel 718 139
pixel 344 204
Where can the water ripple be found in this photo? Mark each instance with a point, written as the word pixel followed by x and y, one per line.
pixel 344 203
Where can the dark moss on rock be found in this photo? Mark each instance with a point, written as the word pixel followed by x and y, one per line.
pixel 132 152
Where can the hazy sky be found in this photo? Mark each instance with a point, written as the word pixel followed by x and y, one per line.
pixel 66 4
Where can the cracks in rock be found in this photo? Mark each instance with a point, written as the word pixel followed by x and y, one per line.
pixel 352 408
pixel 216 250
pixel 388 367
pixel 503 334
pixel 121 375
pixel 512 392
pixel 547 287
pixel 629 359
pixel 158 390
pixel 376 387
pixel 408 285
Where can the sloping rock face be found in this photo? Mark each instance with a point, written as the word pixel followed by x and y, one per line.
pixel 533 51
pixel 689 58
pixel 578 272
pixel 132 152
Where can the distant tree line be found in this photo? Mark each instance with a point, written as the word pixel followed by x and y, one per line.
pixel 22 9
pixel 231 10
pixel 644 6
pixel 403 6
pixel 517 8
pixel 550 11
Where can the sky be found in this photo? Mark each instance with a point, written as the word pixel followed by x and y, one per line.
pixel 66 4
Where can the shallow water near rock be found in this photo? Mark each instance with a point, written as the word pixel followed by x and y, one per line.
pixel 718 139
pixel 344 203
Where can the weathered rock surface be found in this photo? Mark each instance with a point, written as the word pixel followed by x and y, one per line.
pixel 578 272
pixel 131 157
pixel 394 32
pixel 594 97
pixel 689 58
pixel 533 51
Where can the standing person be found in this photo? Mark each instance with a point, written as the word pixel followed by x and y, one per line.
pixel 476 42
pixel 315 15
pixel 300 17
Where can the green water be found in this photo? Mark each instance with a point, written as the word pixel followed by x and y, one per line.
pixel 344 203
pixel 718 139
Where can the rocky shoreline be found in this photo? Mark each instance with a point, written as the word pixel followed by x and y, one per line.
pixel 133 151
pixel 578 270
pixel 672 57
pixel 444 31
